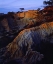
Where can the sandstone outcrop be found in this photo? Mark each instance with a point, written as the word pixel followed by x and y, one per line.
pixel 35 39
pixel 28 14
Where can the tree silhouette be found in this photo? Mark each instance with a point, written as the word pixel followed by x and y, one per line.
pixel 49 2
pixel 21 9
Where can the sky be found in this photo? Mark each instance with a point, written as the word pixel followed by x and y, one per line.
pixel 14 5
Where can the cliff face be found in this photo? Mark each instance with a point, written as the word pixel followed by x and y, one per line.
pixel 29 18
pixel 11 21
pixel 11 25
pixel 28 14
pixel 34 39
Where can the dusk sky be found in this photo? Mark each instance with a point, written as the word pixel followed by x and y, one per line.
pixel 14 5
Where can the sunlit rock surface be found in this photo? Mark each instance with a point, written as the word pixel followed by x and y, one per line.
pixel 33 42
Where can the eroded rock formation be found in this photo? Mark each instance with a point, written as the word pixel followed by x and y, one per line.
pixel 34 39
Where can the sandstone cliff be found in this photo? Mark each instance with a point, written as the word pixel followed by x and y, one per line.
pixel 28 14
pixel 35 39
